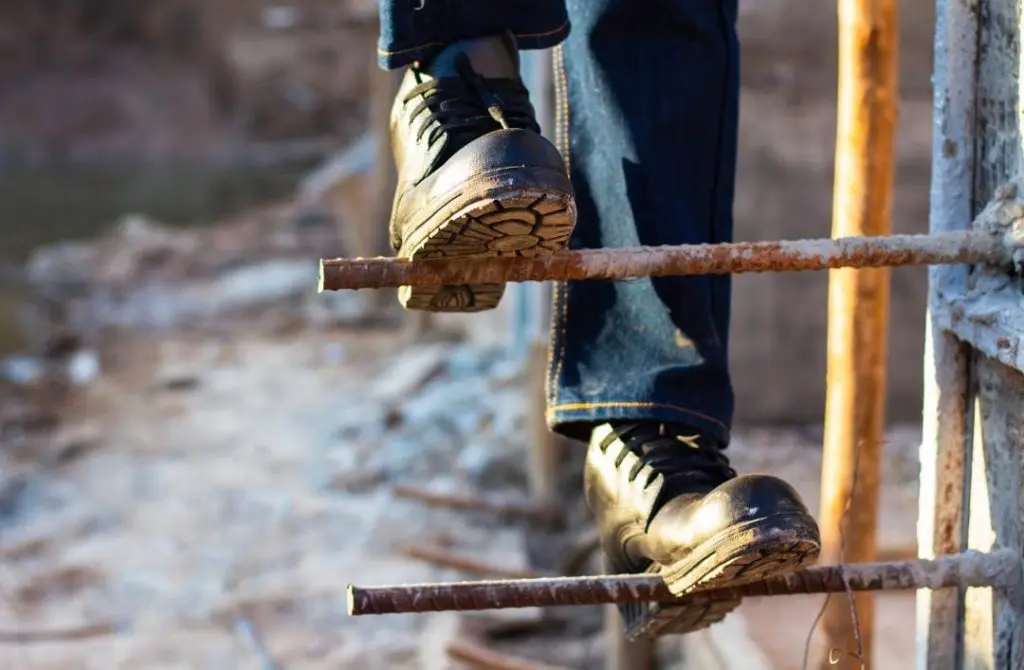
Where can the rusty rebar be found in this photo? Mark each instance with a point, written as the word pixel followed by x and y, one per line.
pixel 505 509
pixel 998 568
pixel 447 559
pixel 589 264
pixel 85 632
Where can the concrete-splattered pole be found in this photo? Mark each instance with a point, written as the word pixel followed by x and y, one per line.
pixel 975 422
pixel 858 315
pixel 944 453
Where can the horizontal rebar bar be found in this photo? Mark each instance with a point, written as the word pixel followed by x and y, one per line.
pixel 590 264
pixel 998 568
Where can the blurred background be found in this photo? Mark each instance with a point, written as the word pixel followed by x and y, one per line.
pixel 198 452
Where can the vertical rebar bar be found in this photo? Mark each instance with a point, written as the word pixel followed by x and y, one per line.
pixel 858 313
pixel 945 441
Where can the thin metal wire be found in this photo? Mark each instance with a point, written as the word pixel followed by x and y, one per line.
pixel 859 653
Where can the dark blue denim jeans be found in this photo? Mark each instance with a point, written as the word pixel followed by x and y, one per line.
pixel 648 99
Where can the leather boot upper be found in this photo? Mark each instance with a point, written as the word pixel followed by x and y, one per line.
pixel 658 492
pixel 448 108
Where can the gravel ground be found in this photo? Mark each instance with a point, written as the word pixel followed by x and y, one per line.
pixel 209 486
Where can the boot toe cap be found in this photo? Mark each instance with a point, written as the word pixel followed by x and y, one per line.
pixel 498 150
pixel 754 496
pixel 745 501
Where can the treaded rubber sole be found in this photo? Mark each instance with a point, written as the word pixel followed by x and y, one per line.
pixel 527 222
pixel 744 555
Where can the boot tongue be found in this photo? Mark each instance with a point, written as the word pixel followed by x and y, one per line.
pixel 492 57
pixel 691 465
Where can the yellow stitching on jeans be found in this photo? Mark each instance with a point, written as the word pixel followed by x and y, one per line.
pixel 559 302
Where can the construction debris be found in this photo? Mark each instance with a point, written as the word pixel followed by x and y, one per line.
pixel 267 456
pixel 447 559
pixel 144 276
pixel 499 508
pixel 489 660
pixel 247 630
pixel 58 635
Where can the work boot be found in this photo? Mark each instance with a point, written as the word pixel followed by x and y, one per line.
pixel 475 176
pixel 667 502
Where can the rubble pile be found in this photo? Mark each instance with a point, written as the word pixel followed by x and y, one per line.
pixel 218 457
pixel 244 484
pixel 144 276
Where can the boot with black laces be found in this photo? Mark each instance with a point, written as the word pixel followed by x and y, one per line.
pixel 667 502
pixel 475 176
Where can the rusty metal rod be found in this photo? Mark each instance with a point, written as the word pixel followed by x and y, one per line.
pixel 790 255
pixel 501 508
pixel 998 568
pixel 85 632
pixel 447 559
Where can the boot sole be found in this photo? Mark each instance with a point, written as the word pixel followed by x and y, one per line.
pixel 527 212
pixel 742 554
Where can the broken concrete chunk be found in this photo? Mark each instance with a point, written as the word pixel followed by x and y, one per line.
pixel 409 372
pixel 441 630
pixel 491 465
pixel 21 370
pixel 338 308
pixel 83 367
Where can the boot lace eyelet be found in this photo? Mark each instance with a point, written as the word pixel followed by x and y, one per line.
pixel 677 456
pixel 468 105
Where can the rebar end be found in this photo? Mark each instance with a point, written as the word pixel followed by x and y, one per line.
pixel 320 278
pixel 350 597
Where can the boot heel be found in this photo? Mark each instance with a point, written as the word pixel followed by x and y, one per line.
pixel 517 222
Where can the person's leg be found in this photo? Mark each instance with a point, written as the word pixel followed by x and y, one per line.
pixel 652 89
pixel 649 92
pixel 475 176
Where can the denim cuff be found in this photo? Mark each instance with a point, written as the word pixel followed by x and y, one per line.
pixel 413 30
pixel 575 420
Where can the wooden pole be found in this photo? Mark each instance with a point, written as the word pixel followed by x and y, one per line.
pixel 621 653
pixel 384 177
pixel 371 234
pixel 548 450
pixel 858 317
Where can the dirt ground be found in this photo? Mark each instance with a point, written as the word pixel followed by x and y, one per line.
pixel 207 485
pixel 223 462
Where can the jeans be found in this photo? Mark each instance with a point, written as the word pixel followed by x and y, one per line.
pixel 648 113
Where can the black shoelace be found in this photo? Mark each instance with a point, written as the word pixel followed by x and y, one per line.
pixel 687 461
pixel 468 106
